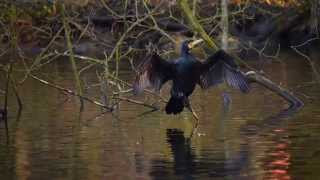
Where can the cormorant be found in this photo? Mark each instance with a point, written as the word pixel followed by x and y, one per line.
pixel 186 72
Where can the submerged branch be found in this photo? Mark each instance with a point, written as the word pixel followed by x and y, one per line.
pixel 267 83
pixel 136 102
pixel 68 91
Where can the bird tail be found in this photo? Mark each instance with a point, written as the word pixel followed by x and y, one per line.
pixel 175 105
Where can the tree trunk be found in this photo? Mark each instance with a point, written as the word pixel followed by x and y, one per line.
pixel 315 16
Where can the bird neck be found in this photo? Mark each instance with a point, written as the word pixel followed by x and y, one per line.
pixel 187 57
pixel 184 49
pixel 185 54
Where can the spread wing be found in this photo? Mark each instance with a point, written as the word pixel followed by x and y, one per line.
pixel 220 67
pixel 153 72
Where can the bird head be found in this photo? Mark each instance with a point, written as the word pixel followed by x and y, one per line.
pixel 194 43
pixel 187 45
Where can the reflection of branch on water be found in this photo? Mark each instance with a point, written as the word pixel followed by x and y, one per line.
pixel 268 121
pixel 4 110
pixel 15 91
pixel 252 132
pixel 187 165
pixel 242 159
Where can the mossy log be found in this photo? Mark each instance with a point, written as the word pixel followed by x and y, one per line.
pixel 195 25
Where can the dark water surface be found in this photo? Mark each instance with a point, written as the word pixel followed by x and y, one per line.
pixel 250 140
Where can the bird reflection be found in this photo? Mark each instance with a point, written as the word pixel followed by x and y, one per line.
pixel 183 158
pixel 183 155
pixel 186 165
pixel 4 117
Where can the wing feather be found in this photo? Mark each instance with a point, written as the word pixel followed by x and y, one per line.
pixel 220 67
pixel 153 73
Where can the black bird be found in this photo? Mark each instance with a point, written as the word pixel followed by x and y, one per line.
pixel 186 72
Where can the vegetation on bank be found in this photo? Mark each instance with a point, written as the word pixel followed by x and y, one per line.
pixel 36 22
pixel 126 29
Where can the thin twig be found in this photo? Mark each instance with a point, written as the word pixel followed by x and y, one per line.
pixel 136 102
pixel 39 57
pixel 312 64
pixel 71 57
pixel 68 91
pixel 196 117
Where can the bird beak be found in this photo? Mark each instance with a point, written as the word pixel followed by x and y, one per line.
pixel 195 43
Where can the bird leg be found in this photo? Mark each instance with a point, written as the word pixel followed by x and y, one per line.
pixel 194 114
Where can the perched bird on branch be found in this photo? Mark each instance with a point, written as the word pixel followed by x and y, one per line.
pixel 185 72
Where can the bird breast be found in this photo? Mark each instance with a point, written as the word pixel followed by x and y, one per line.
pixel 185 79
